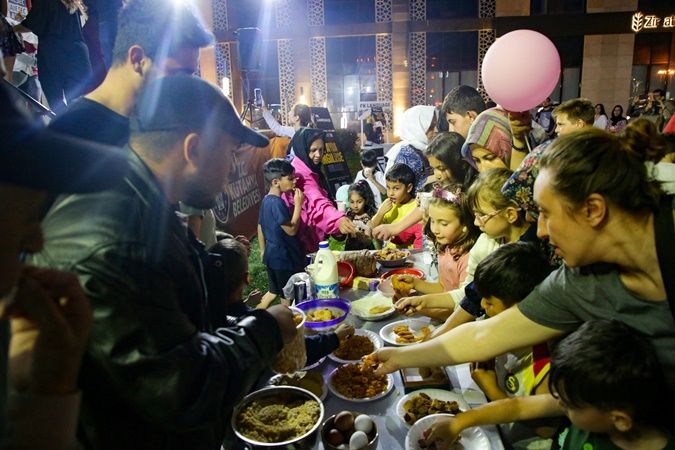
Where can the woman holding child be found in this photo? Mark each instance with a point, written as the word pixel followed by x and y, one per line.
pixel 599 205
pixel 319 216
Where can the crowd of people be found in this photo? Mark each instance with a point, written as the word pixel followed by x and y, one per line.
pixel 126 328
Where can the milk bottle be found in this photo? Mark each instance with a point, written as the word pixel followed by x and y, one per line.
pixel 325 272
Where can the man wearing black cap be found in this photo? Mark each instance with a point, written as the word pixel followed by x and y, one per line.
pixel 158 374
pixel 47 308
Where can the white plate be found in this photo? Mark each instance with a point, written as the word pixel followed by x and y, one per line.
pixel 472 438
pixel 275 380
pixel 415 326
pixel 385 288
pixel 361 308
pixel 374 338
pixel 438 394
pixel 390 386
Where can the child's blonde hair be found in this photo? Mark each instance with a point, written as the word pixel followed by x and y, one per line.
pixel 453 197
pixel 487 189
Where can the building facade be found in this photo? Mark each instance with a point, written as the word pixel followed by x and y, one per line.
pixel 343 54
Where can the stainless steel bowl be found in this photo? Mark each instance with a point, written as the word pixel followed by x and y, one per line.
pixel 307 440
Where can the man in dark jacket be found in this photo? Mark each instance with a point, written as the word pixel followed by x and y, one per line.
pixel 158 373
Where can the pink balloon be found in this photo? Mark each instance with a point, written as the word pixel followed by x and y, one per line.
pixel 520 70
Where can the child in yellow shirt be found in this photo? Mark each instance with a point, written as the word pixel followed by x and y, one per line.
pixel 400 201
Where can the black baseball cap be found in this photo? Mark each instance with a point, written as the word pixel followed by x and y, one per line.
pixel 186 102
pixel 36 157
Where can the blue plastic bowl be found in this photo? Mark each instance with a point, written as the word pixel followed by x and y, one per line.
pixel 341 305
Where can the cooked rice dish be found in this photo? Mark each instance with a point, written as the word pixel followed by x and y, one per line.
pixel 354 347
pixel 278 418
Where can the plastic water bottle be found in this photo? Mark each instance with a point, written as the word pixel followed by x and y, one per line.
pixel 325 272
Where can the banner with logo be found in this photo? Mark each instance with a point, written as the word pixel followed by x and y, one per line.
pixel 237 208
pixel 334 164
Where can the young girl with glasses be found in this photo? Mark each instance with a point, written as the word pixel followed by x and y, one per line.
pixel 501 221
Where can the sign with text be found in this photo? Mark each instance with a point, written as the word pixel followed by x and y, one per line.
pixel 381 110
pixel 334 164
pixel 238 206
pixel 15 7
pixel 641 21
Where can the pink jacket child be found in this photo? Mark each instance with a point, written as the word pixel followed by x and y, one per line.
pixel 319 217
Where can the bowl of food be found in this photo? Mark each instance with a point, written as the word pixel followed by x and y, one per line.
pixel 345 274
pixel 278 416
pixel 403 271
pixel 324 314
pixel 391 257
pixel 348 429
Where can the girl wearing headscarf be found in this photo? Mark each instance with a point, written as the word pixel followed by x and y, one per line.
pixel 488 143
pixel 319 216
pixel 418 127
pixel 617 122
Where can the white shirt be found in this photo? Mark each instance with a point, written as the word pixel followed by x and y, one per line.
pixel 379 177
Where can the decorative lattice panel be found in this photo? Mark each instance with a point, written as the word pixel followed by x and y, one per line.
pixel 383 67
pixel 417 66
pixel 223 65
pixel 283 10
pixel 418 10
pixel 315 12
pixel 487 8
pixel 485 40
pixel 219 11
pixel 317 62
pixel 286 77
pixel 382 10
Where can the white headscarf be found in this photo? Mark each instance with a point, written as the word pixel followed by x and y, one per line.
pixel 413 131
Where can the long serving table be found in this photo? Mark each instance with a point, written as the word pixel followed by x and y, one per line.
pixel 391 428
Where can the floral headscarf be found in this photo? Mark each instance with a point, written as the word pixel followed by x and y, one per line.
pixel 520 185
pixel 490 130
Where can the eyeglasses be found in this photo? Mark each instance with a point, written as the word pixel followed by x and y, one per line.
pixel 482 220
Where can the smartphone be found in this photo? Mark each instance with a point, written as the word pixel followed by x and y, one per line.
pixel 643 96
pixel 258 97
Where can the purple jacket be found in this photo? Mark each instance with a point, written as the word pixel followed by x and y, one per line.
pixel 319 217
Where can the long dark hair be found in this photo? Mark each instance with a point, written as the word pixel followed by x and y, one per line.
pixel 447 148
pixel 362 188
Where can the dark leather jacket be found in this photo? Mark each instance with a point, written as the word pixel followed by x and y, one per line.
pixel 156 375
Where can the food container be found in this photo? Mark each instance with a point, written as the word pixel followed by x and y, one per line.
pixel 293 356
pixel 339 306
pixel 329 424
pixel 403 271
pixel 394 262
pixel 345 274
pixel 305 441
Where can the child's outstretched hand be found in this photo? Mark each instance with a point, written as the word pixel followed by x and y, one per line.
pixel 382 361
pixel 484 376
pixel 298 196
pixel 410 305
pixel 443 432
pixel 344 331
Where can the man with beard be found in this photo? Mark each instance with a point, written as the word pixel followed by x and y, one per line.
pixel 161 370
pixel 155 38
